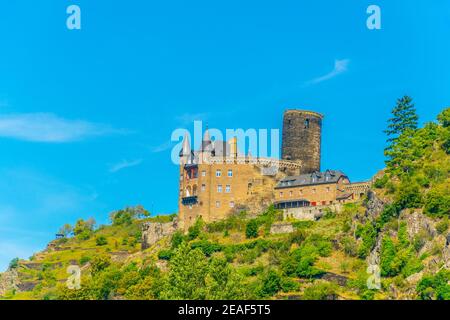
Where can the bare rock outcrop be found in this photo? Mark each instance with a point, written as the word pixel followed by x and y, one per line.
pixel 152 232
pixel 9 281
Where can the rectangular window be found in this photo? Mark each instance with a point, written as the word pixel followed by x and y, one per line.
pixel 231 204
pixel 217 204
pixel 328 189
pixel 227 188
pixel 203 173
pixel 301 192
pixel 281 194
pixel 218 173
pixel 203 187
pixel 290 193
pixel 230 173
pixel 219 188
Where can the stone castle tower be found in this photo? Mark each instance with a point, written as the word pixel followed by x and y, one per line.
pixel 301 138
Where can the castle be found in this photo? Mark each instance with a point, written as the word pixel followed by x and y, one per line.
pixel 217 180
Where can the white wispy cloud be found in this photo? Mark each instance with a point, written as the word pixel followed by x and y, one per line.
pixel 48 127
pixel 124 164
pixel 340 66
pixel 162 147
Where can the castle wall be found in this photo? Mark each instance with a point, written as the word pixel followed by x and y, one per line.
pixel 301 138
pixel 309 213
pixel 218 196
pixel 320 194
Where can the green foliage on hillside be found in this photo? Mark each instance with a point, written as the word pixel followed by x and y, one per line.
pixel 238 257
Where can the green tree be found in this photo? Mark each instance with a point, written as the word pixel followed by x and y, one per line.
pixel 403 117
pixel 186 278
pixel 66 230
pixel 270 284
pixel 435 286
pixel 251 229
pixel 14 263
pixel 388 258
pixel 100 263
pixel 444 118
pixel 223 282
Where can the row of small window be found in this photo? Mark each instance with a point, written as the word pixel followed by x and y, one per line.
pixel 219 173
pixel 219 188
pixel 291 193
pixel 227 188
pixel 231 204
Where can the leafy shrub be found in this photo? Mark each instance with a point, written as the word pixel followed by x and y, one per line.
pixel 100 263
pixel 298 236
pixel 300 262
pixel 389 212
pixel 177 239
pixel 207 247
pixel 270 284
pixel 165 254
pixel 368 235
pixel 435 286
pixel 288 285
pixel 195 229
pixel 350 246
pixel 320 291
pixel 408 195
pixel 437 202
pixel 398 259
pixel 388 262
pixel 303 224
pixel 381 182
pixel 251 229
pixel 101 241
pixel 442 226
pixel 85 259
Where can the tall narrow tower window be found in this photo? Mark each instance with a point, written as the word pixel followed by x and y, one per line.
pixel 306 123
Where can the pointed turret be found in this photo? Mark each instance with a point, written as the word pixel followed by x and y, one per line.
pixel 207 145
pixel 186 151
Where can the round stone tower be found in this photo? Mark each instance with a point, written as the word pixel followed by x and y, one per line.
pixel 301 138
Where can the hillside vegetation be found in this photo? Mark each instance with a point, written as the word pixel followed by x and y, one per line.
pixel 398 232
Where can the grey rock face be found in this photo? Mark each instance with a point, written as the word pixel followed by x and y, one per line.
pixel 155 231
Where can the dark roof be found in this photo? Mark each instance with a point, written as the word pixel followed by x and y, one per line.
pixel 329 176
pixel 344 196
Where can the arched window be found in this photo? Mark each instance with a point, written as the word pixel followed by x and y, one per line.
pixel 188 191
pixel 306 123
pixel 194 190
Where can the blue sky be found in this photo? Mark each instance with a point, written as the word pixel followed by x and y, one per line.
pixel 86 115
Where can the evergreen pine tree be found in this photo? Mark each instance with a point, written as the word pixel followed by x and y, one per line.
pixel 404 118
